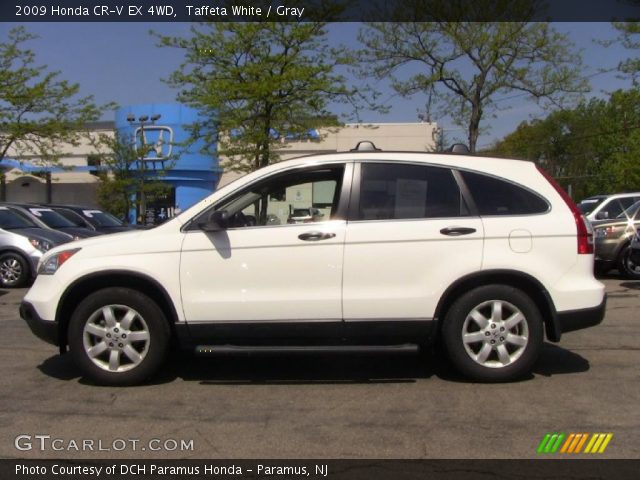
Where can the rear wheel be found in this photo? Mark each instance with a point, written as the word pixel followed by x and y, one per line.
pixel 493 333
pixel 118 336
pixel 14 270
pixel 626 264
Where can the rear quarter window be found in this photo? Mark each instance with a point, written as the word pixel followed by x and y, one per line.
pixel 494 196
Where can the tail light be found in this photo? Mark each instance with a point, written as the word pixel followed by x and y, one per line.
pixel 585 232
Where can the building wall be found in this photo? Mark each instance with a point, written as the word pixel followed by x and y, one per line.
pixel 194 175
pixel 418 137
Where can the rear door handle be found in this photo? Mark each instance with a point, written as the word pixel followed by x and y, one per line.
pixel 315 236
pixel 457 231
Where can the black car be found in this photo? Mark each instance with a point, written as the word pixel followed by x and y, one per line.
pixel 92 218
pixel 51 219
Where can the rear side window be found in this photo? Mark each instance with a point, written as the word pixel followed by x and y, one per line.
pixel 397 191
pixel 498 197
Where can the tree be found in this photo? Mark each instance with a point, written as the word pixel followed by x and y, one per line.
pixel 256 83
pixel 593 147
pixel 629 38
pixel 123 185
pixel 466 66
pixel 38 112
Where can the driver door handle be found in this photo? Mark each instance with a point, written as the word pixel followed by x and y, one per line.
pixel 457 231
pixel 315 236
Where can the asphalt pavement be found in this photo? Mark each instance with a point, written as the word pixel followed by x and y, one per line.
pixel 323 406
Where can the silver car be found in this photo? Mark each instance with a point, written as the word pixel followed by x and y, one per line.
pixel 22 243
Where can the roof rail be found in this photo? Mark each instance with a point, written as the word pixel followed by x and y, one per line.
pixel 458 148
pixel 365 146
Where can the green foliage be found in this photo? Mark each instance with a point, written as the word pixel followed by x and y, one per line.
pixel 38 111
pixel 251 80
pixel 594 147
pixel 630 39
pixel 121 180
pixel 467 66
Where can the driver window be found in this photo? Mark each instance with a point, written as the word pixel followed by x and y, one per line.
pixel 298 197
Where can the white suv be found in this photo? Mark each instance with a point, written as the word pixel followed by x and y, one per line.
pixel 482 254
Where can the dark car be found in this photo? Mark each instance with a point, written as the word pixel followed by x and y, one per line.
pixel 612 240
pixel 22 244
pixel 634 256
pixel 51 219
pixel 92 218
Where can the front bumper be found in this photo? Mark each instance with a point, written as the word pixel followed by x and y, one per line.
pixel 44 329
pixel 572 320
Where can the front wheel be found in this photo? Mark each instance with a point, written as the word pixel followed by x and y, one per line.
pixel 493 333
pixel 14 270
pixel 118 336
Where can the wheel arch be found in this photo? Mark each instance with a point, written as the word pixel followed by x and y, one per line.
pixel 92 282
pixel 514 278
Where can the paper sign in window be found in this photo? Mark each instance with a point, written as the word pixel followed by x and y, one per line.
pixel 411 198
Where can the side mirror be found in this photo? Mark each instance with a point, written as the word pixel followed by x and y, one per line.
pixel 218 220
pixel 604 215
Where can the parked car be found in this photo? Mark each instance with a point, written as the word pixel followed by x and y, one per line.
pixel 604 207
pixel 305 215
pixel 634 256
pixel 612 242
pixel 47 218
pixel 92 218
pixel 482 255
pixel 22 244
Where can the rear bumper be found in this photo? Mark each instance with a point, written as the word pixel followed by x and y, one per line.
pixel 43 329
pixel 572 320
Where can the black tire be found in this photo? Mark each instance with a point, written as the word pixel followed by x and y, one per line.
pixel 493 368
pixel 626 266
pixel 14 270
pixel 146 320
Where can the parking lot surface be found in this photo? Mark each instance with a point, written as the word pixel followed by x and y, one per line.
pixel 323 406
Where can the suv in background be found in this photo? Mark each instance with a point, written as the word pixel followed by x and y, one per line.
pixel 612 242
pixel 22 243
pixel 605 207
pixel 481 255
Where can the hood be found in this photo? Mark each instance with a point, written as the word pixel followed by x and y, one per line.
pixel 52 236
pixel 78 232
pixel 105 239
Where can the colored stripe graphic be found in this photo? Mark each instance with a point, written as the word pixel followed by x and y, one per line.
pixel 551 442
pixel 572 443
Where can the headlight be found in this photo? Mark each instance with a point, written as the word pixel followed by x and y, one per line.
pixel 41 245
pixel 51 264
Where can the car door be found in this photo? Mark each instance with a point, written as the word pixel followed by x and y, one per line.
pixel 410 236
pixel 265 267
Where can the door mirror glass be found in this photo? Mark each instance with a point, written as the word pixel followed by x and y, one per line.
pixel 603 215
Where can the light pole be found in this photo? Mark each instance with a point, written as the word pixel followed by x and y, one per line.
pixel 143 152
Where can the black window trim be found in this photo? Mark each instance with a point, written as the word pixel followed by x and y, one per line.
pixel 354 204
pixel 506 180
pixel 341 211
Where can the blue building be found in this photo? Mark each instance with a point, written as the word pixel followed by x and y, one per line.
pixel 192 174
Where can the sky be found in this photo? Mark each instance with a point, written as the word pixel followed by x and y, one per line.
pixel 119 62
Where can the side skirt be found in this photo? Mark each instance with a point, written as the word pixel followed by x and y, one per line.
pixel 306 333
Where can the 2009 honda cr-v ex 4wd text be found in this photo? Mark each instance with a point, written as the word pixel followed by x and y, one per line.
pixel 485 255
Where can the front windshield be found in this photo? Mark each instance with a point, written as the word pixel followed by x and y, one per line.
pixel 50 218
pixel 101 219
pixel 589 205
pixel 10 220
pixel 630 212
